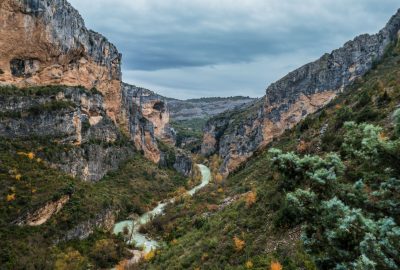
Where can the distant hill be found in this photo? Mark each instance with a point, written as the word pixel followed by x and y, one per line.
pixel 204 107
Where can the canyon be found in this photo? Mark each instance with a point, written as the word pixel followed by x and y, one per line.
pixel 93 169
pixel 237 134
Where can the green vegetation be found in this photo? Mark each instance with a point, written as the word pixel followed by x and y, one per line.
pixel 28 183
pixel 325 197
pixel 35 90
pixel 191 130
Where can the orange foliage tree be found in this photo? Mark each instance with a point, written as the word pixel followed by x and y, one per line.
pixel 239 243
pixel 276 266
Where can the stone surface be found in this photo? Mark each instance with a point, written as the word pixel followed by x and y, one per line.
pixel 148 120
pixel 236 135
pixel 104 220
pixel 55 48
pixel 43 214
pixel 46 42
pixel 69 116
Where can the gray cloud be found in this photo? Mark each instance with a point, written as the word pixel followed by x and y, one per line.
pixel 192 48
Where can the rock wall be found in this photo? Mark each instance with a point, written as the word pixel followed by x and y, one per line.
pixel 104 220
pixel 55 48
pixel 43 214
pixel 148 120
pixel 46 42
pixel 293 97
pixel 71 117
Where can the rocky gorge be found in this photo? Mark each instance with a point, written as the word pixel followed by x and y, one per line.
pixel 237 134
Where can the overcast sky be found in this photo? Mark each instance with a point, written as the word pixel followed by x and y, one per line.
pixel 197 48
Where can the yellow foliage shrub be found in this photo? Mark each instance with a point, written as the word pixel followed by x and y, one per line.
pixel 149 256
pixel 251 198
pixel 276 266
pixel 18 177
pixel 239 243
pixel 10 197
pixel 31 155
pixel 249 264
pixel 219 178
pixel 220 190
pixel 174 242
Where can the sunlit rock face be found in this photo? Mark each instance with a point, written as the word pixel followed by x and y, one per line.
pixel 236 135
pixel 148 120
pixel 46 43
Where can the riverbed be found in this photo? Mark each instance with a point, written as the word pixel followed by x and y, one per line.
pixel 132 226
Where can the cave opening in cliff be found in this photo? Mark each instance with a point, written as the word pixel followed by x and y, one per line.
pixel 159 106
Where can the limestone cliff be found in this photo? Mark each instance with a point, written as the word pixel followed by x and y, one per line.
pixel 236 135
pixel 148 119
pixel 73 118
pixel 55 48
pixel 46 42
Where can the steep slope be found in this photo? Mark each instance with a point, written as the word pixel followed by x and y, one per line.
pixel 338 187
pixel 49 220
pixel 188 117
pixel 298 94
pixel 71 117
pixel 54 47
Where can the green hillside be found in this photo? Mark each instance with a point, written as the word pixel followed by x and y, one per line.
pixel 28 183
pixel 325 195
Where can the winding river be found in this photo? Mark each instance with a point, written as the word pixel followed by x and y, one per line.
pixel 143 241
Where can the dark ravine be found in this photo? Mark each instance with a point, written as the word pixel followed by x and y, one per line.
pixel 237 135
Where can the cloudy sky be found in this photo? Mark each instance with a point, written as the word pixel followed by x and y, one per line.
pixel 196 48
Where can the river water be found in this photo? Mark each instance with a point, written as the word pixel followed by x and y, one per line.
pixel 143 241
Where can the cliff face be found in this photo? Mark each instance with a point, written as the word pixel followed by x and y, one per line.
pixel 73 118
pixel 55 48
pixel 295 96
pixel 148 119
pixel 46 42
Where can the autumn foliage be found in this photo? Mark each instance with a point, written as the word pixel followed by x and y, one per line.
pixel 251 198
pixel 149 256
pixel 239 243
pixel 276 266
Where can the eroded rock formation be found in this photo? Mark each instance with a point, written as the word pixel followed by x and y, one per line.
pixel 55 48
pixel 236 135
pixel 148 120
pixel 69 116
pixel 46 42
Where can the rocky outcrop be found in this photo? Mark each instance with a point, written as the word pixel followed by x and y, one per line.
pixel 291 99
pixel 71 117
pixel 47 43
pixel 104 220
pixel 43 214
pixel 183 163
pixel 148 120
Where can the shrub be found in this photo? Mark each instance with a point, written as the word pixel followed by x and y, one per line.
pixel 276 266
pixel 239 244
